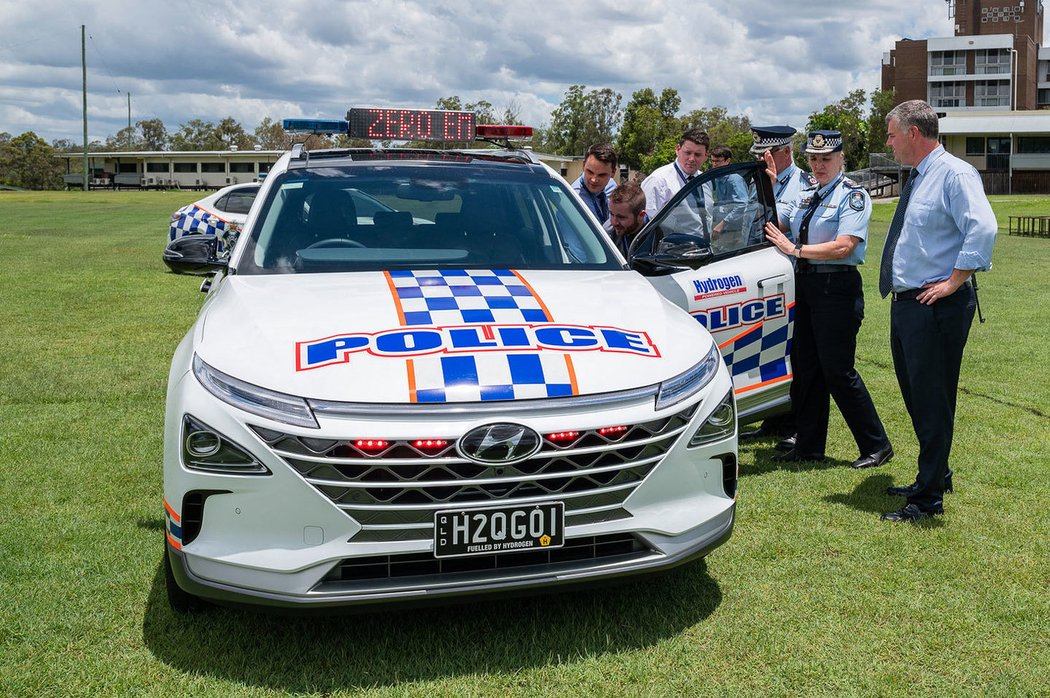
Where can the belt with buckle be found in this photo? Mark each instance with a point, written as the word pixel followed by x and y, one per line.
pixel 824 268
pixel 912 293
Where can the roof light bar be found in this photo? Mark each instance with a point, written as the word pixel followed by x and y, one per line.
pixel 315 125
pixel 503 131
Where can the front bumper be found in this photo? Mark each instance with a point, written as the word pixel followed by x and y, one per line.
pixel 663 553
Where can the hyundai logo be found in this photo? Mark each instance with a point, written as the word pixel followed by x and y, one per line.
pixel 499 443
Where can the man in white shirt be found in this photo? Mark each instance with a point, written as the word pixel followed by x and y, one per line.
pixel 690 155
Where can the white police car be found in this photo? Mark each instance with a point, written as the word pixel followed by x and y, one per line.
pixel 221 213
pixel 464 391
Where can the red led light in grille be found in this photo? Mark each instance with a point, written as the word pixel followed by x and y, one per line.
pixel 371 445
pixel 430 446
pixel 613 431
pixel 560 437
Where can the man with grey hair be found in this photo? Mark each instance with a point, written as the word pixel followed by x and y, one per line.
pixel 942 232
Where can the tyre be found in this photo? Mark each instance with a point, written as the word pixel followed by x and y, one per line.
pixel 181 601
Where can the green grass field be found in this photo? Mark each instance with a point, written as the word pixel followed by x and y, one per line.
pixel 812 595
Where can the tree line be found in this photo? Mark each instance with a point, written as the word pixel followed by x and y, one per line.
pixel 645 132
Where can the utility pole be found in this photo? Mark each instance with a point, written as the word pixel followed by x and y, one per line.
pixel 83 64
pixel 129 110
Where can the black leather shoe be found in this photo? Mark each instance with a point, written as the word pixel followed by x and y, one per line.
pixel 753 434
pixel 874 460
pixel 786 444
pixel 911 514
pixel 794 456
pixel 908 490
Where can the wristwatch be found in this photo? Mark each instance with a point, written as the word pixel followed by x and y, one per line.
pixel 798 250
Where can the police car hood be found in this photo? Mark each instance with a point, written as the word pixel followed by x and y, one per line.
pixel 403 337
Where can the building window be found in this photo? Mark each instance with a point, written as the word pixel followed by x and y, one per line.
pixel 242 167
pixel 993 93
pixel 1044 98
pixel 947 63
pixel 213 167
pixel 157 167
pixel 186 167
pixel 947 94
pixel 974 146
pixel 1033 145
pixel 992 61
pixel 264 167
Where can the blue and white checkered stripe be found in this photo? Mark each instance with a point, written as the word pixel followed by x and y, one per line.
pixel 759 354
pixel 482 377
pixel 478 297
pixel 465 296
pixel 195 220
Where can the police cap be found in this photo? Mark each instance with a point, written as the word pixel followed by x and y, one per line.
pixel 823 142
pixel 768 137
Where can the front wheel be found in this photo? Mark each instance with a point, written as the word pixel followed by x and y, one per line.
pixel 180 600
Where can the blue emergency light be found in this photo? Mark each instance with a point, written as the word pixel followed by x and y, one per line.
pixel 315 125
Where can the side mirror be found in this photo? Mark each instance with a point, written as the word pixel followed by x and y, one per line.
pixel 678 250
pixel 194 254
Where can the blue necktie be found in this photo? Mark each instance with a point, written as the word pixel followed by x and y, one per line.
pixel 886 266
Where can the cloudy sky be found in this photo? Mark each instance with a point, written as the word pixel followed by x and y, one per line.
pixel 774 61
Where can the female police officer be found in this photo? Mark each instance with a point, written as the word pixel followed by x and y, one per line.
pixel 829 225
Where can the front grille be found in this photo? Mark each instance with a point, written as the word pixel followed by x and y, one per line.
pixel 606 549
pixel 393 488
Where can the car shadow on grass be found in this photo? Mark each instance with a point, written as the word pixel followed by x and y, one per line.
pixel 501 636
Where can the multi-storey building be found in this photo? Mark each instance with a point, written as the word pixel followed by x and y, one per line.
pixel 993 62
pixel 988 82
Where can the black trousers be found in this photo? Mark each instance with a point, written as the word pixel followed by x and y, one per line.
pixel 828 312
pixel 927 342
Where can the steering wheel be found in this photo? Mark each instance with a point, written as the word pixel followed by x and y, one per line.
pixel 334 242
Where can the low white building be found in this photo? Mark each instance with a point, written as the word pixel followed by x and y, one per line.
pixel 183 169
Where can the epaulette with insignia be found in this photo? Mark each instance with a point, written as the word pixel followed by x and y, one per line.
pixel 850 183
pixel 808 179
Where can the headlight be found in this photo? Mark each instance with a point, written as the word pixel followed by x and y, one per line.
pixel 720 424
pixel 279 407
pixel 689 383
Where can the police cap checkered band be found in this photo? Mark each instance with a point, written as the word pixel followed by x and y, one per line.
pixel 766 137
pixel 823 142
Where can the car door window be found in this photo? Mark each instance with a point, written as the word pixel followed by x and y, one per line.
pixel 745 294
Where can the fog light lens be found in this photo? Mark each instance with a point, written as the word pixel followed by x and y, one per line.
pixel 720 424
pixel 202 444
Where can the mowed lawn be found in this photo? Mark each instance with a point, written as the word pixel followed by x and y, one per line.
pixel 812 595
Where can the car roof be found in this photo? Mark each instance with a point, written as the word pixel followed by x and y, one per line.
pixel 342 157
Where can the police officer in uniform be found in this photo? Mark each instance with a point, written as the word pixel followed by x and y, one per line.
pixel 829 227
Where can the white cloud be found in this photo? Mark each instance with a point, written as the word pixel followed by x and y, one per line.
pixel 186 59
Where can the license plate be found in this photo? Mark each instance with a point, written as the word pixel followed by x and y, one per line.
pixel 461 532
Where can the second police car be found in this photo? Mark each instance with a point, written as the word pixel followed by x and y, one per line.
pixel 465 390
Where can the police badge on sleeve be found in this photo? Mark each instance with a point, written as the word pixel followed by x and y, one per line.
pixel 856 201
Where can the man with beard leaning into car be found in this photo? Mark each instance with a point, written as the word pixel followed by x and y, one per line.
pixel 829 224
pixel 626 214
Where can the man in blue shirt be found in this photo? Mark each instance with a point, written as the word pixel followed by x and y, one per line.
pixel 598 180
pixel 942 232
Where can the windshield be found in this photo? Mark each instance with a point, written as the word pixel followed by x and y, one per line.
pixel 425 216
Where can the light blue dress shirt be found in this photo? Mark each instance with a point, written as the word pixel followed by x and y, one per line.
pixel 844 209
pixel 789 186
pixel 948 224
pixel 589 199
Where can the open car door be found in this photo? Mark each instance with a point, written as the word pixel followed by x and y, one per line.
pixel 736 284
